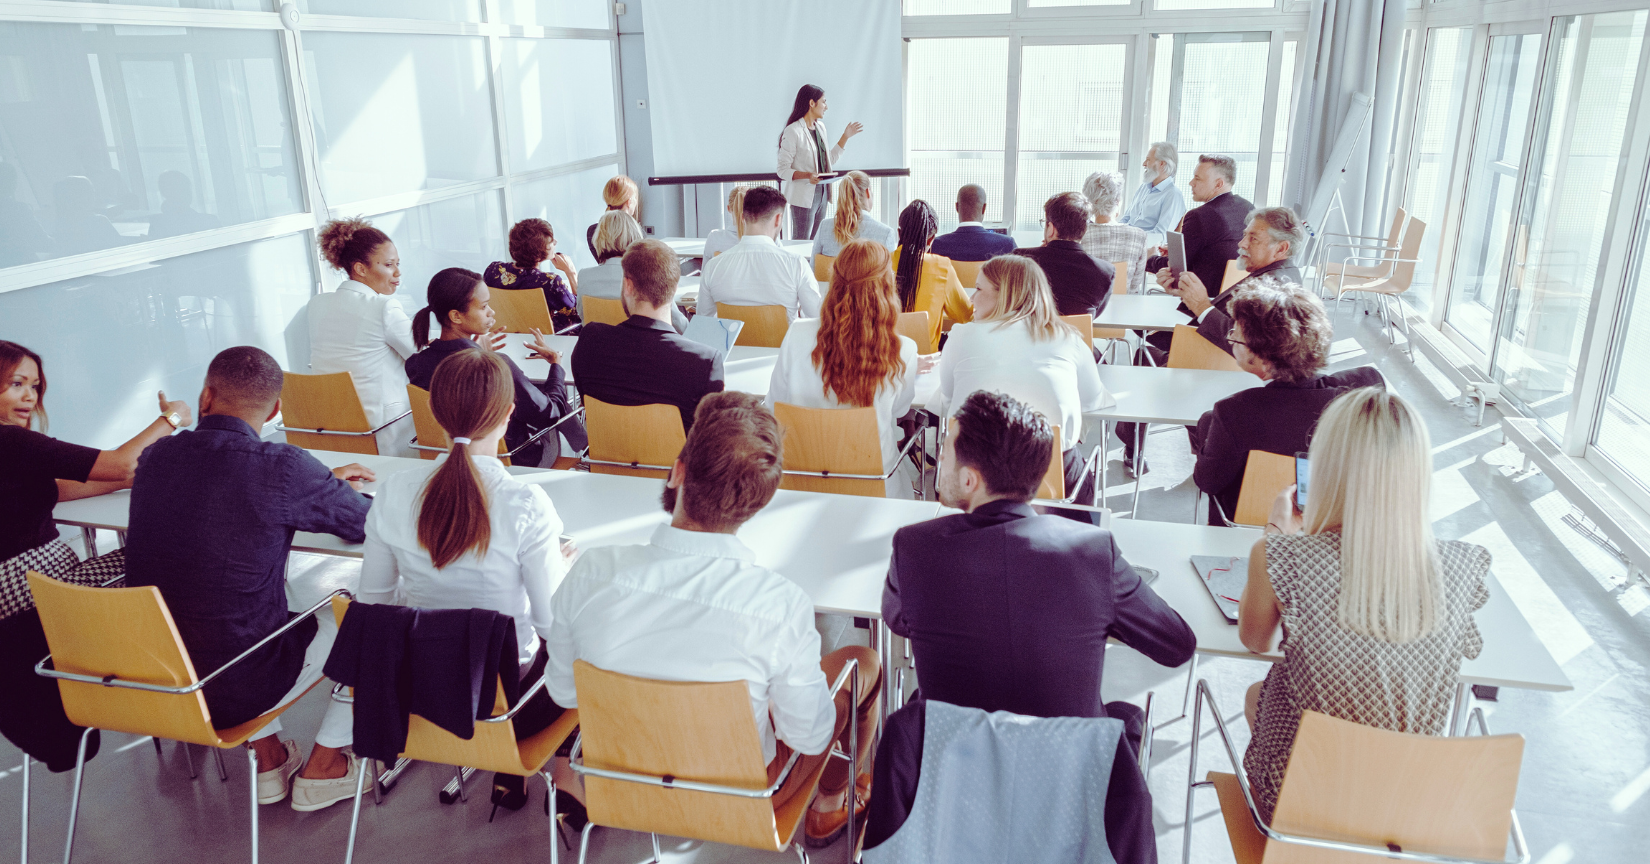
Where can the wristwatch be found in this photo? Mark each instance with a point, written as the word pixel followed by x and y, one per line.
pixel 174 419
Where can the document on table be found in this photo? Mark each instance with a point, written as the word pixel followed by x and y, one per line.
pixel 1224 577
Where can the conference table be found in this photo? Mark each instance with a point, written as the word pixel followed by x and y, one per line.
pixel 694 247
pixel 747 368
pixel 1142 312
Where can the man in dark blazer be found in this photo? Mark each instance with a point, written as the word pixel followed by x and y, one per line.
pixel 972 241
pixel 1282 335
pixel 1081 282
pixel 1270 239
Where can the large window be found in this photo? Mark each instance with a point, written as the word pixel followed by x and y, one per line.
pixel 1072 120
pixel 956 119
pixel 1437 107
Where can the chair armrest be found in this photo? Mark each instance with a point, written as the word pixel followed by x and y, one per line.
pixel 338 695
pixel 387 424
pixel 1329 234
pixel 111 681
pixel 531 439
pixel 1384 260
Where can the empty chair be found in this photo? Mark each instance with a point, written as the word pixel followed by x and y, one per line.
pixel 322 412
pixel 642 440
pixel 765 326
pixel 1359 246
pixel 521 311
pixel 1399 273
pixel 836 450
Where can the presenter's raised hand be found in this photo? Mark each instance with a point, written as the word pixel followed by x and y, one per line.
pixel 852 129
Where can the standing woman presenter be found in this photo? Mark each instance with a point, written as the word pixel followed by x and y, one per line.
pixel 803 157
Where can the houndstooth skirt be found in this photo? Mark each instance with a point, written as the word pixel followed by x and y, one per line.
pixel 57 560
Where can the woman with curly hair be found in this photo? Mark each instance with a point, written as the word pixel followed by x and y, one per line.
pixel 852 355
pixel 532 243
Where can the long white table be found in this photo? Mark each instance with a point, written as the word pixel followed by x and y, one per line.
pixel 747 369
pixel 1142 312
pixel 1156 394
pixel 694 247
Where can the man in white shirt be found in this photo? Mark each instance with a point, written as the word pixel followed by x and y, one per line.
pixel 692 605
pixel 756 272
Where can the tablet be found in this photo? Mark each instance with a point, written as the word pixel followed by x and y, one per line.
pixel 718 333
pixel 1224 577
pixel 1177 253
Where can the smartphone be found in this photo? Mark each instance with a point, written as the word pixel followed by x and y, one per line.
pixel 1147 574
pixel 1302 472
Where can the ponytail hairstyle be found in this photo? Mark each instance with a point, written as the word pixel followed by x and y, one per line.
pixel 736 206
pixel 348 242
pixel 804 96
pixel 851 206
pixel 450 291
pixel 918 223
pixel 12 356
pixel 858 350
pixel 471 394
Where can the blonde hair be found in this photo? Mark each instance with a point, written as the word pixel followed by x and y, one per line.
pixel 1371 480
pixel 615 232
pixel 618 192
pixel 736 206
pixel 1023 295
pixel 850 205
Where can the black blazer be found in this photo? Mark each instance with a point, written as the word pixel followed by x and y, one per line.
pixel 1278 418
pixel 1212 234
pixel 1008 610
pixel 1217 325
pixel 972 243
pixel 644 361
pixel 537 405
pixel 1081 282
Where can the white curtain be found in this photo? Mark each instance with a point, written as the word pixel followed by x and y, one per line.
pixel 1352 46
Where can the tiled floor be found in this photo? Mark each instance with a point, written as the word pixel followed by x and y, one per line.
pixel 1584 792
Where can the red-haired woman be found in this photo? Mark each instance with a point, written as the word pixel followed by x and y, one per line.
pixel 852 355
pixel 470 535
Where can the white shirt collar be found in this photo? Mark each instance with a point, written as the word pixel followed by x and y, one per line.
pixel 968 224
pixel 701 543
pixel 357 287
pixel 757 239
pixel 1166 181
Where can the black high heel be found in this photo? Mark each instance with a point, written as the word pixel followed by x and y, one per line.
pixel 509 792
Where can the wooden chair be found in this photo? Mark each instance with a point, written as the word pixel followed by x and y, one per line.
pixel 822 267
pixel 684 759
pixel 1189 350
pixel 121 665
pixel 639 440
pixel 915 326
pixel 968 272
pixel 323 412
pixel 1359 245
pixel 430 440
pixel 1120 282
pixel 765 326
pixel 601 310
pixel 1053 487
pixel 1399 273
pixel 1264 476
pixel 521 310
pixel 1234 275
pixel 492 747
pixel 1354 793
pixel 834 450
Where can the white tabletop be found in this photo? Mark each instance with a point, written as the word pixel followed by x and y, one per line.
pixel 694 247
pixel 1513 655
pixel 1142 312
pixel 1153 394
pixel 747 369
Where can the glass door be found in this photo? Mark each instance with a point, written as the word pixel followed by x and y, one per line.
pixel 1072 120
pixel 1439 98
pixel 1512 70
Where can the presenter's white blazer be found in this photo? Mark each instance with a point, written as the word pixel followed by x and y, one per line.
pixel 798 153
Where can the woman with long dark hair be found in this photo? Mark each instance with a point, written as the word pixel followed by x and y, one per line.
pixel 803 157
pixel 458 303
pixel 927 282
pixel 852 355
pixel 472 536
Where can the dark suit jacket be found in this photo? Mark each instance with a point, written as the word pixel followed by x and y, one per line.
pixel 643 361
pixel 1278 418
pixel 1212 234
pixel 1008 610
pixel 537 405
pixel 1217 325
pixel 1081 282
pixel 972 243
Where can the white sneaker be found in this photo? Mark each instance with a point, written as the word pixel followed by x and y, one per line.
pixel 308 795
pixel 272 784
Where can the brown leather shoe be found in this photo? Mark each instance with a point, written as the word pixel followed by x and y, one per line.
pixel 822 829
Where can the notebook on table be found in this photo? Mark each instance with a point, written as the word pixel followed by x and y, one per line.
pixel 1223 576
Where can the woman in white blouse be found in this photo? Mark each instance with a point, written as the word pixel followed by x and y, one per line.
pixel 853 220
pixel 852 355
pixel 470 535
pixel 722 239
pixel 803 157
pixel 1018 345
pixel 362 329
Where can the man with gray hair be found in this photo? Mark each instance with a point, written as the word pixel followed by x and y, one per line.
pixel 1157 205
pixel 1270 239
pixel 1108 239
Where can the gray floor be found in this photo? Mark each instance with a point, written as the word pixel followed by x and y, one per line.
pixel 1582 795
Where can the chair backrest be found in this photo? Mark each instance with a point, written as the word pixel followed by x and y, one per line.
pixel 838 440
pixel 429 432
pixel 1054 482
pixel 1404 273
pixel 692 731
pixel 822 267
pixel 519 310
pixel 128 633
pixel 325 402
pixel 633 434
pixel 1264 476
pixel 1397 227
pixel 968 272
pixel 1234 275
pixel 603 310
pixel 1444 796
pixel 1084 325
pixel 765 326
pixel 1120 282
pixel 915 326
pixel 1189 350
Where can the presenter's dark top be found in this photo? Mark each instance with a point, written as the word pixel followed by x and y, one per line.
pixel 1008 610
pixel 972 243
pixel 644 361
pixel 212 518
pixel 30 466
pixel 1081 282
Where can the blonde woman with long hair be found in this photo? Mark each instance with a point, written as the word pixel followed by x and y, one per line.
pixel 722 239
pixel 852 355
pixel 1017 345
pixel 1376 611
pixel 853 219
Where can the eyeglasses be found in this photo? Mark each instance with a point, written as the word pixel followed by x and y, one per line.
pixel 1232 341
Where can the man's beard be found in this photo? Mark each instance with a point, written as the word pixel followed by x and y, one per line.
pixel 667 499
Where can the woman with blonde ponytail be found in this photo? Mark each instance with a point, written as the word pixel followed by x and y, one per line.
pixel 722 239
pixel 1377 613
pixel 853 219
pixel 469 535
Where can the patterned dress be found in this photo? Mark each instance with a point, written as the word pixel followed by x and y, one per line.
pixel 505 276
pixel 1325 668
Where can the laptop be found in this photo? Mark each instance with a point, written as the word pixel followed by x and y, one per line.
pixel 718 333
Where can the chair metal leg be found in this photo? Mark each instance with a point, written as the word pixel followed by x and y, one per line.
pixel 188 759
pixel 355 814
pixel 584 841
pixel 74 799
pixel 853 759
pixel 555 836
pixel 459 778
pixel 156 741
pixel 26 761
pixel 658 856
pixel 387 779
pixel 223 773
pixel 801 853
pixel 252 785
pixel 1191 782
pixel 1139 459
pixel 1186 701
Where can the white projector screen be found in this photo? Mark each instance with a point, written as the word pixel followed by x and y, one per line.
pixel 722 75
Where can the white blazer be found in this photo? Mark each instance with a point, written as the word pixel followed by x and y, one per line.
pixel 798 153
pixel 1058 377
pixel 357 330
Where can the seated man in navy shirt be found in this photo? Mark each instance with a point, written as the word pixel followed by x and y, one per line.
pixel 212 517
pixel 972 241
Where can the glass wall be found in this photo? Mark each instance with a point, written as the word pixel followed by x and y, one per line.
pixel 956 108
pixel 1437 122
pixel 1072 120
